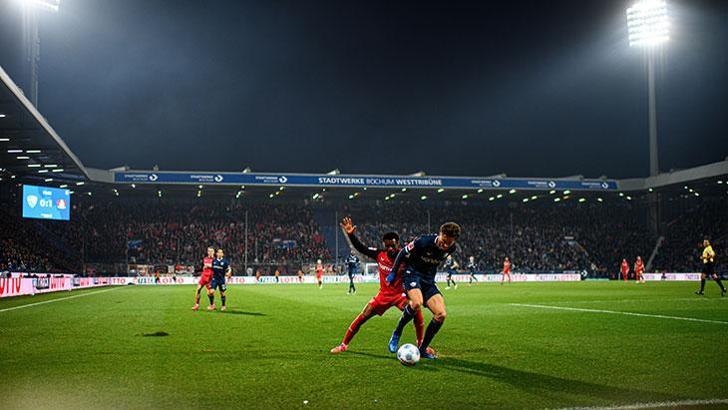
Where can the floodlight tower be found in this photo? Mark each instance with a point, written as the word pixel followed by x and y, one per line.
pixel 31 39
pixel 649 28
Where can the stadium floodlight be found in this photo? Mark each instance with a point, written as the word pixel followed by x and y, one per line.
pixel 3 115
pixel 33 165
pixel 648 23
pixel 21 157
pixel 31 38
pixel 57 170
pixel 512 191
pixel 491 199
pixel 32 151
pixel 15 151
pixel 4 139
pixel 465 196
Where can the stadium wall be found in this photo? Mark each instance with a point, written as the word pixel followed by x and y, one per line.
pixel 18 284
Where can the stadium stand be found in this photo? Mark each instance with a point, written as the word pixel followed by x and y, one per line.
pixel 538 237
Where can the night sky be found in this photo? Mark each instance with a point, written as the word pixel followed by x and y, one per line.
pixel 527 88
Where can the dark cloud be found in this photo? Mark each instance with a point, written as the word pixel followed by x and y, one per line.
pixel 461 88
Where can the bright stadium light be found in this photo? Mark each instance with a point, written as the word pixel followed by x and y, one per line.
pixel 648 23
pixel 47 5
pixel 31 38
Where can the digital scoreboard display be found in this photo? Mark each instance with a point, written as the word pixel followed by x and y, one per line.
pixel 41 202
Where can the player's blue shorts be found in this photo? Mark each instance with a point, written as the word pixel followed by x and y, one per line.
pixel 218 283
pixel 414 280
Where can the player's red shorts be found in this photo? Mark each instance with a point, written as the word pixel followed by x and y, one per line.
pixel 205 280
pixel 381 302
pixel 319 274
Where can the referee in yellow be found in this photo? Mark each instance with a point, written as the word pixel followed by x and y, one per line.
pixel 709 269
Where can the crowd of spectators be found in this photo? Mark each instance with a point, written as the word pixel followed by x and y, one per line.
pixel 25 248
pixel 178 232
pixel 684 234
pixel 547 236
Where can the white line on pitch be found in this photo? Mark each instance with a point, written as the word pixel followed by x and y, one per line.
pixel 615 312
pixel 637 406
pixel 57 300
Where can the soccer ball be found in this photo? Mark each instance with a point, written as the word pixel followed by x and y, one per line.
pixel 408 354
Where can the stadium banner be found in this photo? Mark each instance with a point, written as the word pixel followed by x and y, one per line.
pixel 14 286
pixel 361 181
pixel 515 277
pixel 333 279
pixel 672 276
pixel 20 283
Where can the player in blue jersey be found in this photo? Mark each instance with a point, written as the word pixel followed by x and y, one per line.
pixel 351 261
pixel 451 267
pixel 220 270
pixel 472 267
pixel 421 258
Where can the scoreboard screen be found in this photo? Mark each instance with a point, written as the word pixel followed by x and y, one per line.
pixel 41 202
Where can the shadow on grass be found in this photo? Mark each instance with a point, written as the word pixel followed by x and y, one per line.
pixel 535 383
pixel 547 385
pixel 241 312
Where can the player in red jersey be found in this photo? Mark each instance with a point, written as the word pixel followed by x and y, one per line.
pixel 639 270
pixel 506 270
pixel 389 295
pixel 206 276
pixel 320 274
pixel 625 269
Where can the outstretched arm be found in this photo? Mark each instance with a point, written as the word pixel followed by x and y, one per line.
pixel 350 230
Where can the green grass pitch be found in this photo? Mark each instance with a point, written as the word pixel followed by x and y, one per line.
pixel 271 349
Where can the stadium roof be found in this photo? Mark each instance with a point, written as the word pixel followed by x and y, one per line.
pixel 30 150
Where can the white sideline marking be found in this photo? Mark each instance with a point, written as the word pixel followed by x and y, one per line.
pixel 614 312
pixel 57 300
pixel 654 405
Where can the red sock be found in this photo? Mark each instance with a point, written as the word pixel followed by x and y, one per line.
pixel 353 328
pixel 419 326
